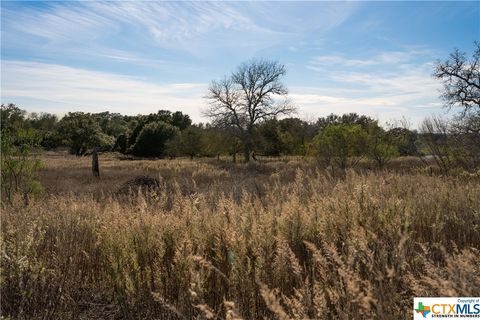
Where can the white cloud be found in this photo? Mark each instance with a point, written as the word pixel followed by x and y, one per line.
pixel 412 93
pixel 390 84
pixel 166 24
pixel 85 90
pixel 408 91
pixel 385 58
pixel 197 28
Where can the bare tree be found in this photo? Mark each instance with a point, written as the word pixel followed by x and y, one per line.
pixel 253 93
pixel 461 80
pixel 435 134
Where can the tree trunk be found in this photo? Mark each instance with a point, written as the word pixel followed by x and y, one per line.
pixel 248 144
pixel 95 166
pixel 246 154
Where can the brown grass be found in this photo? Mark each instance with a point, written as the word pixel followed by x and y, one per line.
pixel 274 240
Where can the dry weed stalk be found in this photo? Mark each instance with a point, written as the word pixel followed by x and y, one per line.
pixel 322 247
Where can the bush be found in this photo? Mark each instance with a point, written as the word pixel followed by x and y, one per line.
pixel 340 144
pixel 380 146
pixel 121 143
pixel 18 167
pixel 186 143
pixel 152 139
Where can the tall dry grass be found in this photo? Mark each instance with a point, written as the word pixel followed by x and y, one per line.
pixel 222 241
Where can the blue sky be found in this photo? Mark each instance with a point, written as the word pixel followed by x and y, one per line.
pixel 372 58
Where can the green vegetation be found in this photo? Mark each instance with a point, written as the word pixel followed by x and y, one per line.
pixel 340 144
pixel 151 140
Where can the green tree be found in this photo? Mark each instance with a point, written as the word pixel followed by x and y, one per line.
pixel 18 167
pixel 12 118
pixel 121 143
pixel 405 141
pixel 81 132
pixel 151 141
pixel 46 126
pixel 268 137
pixel 217 141
pixel 45 122
pixel 295 135
pixel 340 144
pixel 380 145
pixel 189 141
pixel 177 119
pixel 347 119
pixel 180 120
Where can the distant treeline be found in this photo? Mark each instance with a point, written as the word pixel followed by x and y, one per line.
pixel 339 140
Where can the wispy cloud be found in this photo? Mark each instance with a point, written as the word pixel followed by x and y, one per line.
pixel 166 24
pixel 197 28
pixel 342 56
pixel 388 84
pixel 78 89
pixel 408 90
pixel 386 58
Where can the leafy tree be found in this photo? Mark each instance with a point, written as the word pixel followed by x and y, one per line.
pixel 151 141
pixel 380 145
pixel 180 120
pixel 269 140
pixel 295 135
pixel 81 132
pixel 340 144
pixel 217 141
pixel 177 119
pixel 51 140
pixel 348 119
pixel 18 167
pixel 112 124
pixel 43 121
pixel 252 94
pixel 187 142
pixel 43 125
pixel 404 140
pixel 121 143
pixel 12 118
pixel 46 126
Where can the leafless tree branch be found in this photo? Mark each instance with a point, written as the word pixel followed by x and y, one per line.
pixel 250 95
pixel 461 79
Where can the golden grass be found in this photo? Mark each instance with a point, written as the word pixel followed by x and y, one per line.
pixel 275 240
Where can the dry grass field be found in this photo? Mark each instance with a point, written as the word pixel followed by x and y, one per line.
pixel 217 240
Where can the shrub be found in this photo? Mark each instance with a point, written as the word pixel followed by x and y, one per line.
pixel 340 144
pixel 18 167
pixel 152 139
pixel 380 146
